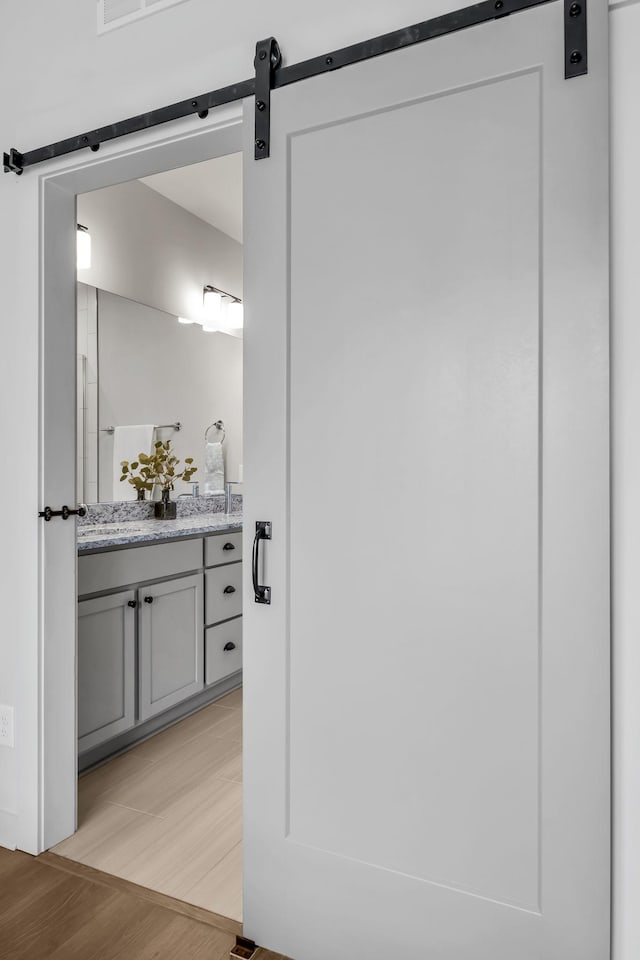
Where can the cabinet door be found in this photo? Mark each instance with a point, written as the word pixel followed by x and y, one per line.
pixel 171 643
pixel 106 668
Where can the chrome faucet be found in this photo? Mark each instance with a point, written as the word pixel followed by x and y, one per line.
pixel 227 494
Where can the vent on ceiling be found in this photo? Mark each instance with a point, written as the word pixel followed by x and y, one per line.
pixel 117 13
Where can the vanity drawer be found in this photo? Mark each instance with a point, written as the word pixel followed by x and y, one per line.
pixel 100 572
pixel 223 593
pixel 223 548
pixel 218 662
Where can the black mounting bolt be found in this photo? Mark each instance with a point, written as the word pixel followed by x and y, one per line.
pixel 260 105
pixel 262 55
pixel 194 103
pixel 575 56
pixel 328 61
pixel 499 4
pixel 85 139
pixel 575 10
pixel 260 144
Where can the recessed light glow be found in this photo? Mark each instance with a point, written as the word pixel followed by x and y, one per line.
pixel 185 320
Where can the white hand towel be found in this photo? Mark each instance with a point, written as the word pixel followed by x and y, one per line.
pixel 213 468
pixel 128 444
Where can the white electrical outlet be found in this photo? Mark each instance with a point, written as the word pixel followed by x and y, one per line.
pixel 6 726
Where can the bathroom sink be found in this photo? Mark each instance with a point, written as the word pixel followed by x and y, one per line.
pixel 107 529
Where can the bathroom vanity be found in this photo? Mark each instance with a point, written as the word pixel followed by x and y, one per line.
pixel 159 626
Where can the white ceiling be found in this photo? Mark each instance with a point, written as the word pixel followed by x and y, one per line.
pixel 211 190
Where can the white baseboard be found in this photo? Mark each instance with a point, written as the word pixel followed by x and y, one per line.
pixel 7 829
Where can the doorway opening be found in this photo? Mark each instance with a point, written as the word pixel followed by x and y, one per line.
pixel 159 585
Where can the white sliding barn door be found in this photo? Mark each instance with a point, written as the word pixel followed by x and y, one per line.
pixel 426 386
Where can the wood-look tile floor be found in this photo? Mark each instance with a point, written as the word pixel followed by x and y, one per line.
pixel 168 814
pixel 54 909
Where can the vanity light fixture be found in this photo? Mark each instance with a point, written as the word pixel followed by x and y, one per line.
pixel 83 248
pixel 235 315
pixel 223 312
pixel 212 309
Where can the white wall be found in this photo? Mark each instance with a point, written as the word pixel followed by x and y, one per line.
pixel 147 248
pixel 190 48
pixel 155 370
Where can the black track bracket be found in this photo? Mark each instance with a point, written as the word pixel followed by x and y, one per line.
pixel 13 162
pixel 268 59
pixel 576 59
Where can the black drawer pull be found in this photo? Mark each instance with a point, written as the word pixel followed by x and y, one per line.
pixel 148 599
pixel 229 645
pixel 229 546
pixel 132 603
pixel 229 589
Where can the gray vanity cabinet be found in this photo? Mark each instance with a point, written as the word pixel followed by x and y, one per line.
pixel 143 660
pixel 106 666
pixel 171 621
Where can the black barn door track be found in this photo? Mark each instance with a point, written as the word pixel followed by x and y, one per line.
pixel 270 75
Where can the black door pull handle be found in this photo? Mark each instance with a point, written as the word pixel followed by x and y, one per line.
pixel 229 646
pixel 132 603
pixel 148 599
pixel 229 546
pixel 229 589
pixel 263 532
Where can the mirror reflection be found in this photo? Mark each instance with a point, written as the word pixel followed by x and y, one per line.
pixel 144 377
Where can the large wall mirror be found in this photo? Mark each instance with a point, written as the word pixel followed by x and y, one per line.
pixel 141 367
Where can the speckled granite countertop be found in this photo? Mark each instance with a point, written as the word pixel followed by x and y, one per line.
pixel 92 538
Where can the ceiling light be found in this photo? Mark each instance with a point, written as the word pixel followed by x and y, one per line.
pixel 83 248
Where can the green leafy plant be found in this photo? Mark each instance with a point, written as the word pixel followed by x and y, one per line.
pixel 160 468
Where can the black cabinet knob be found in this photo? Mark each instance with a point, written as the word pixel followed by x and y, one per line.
pixel 229 589
pixel 132 603
pixel 229 646
pixel 229 546
pixel 148 599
